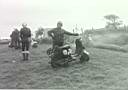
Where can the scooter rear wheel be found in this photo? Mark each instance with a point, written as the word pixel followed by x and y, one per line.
pixel 84 57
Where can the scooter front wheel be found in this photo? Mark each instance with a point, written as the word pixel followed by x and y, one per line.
pixel 49 51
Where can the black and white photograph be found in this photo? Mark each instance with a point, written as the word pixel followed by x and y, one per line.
pixel 64 44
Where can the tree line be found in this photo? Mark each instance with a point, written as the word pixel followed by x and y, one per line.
pixel 112 22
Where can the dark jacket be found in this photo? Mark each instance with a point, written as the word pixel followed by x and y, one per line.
pixel 57 34
pixel 15 35
pixel 25 33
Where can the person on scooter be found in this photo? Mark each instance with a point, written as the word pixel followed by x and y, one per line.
pixel 57 34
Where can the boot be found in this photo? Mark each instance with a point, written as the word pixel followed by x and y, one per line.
pixel 24 58
pixel 27 56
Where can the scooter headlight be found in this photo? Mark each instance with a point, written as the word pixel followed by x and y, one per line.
pixel 65 52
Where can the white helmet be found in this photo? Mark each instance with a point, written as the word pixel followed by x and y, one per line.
pixel 24 24
pixel 59 22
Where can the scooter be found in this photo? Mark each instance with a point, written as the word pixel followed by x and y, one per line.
pixel 62 56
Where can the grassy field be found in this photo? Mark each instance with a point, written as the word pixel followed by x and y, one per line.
pixel 106 70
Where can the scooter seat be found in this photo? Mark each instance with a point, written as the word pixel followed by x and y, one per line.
pixel 65 46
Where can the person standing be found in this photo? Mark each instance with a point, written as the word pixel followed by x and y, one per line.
pixel 12 40
pixel 25 35
pixel 15 39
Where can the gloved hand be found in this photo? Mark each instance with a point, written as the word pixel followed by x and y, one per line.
pixel 20 39
pixel 52 35
pixel 29 39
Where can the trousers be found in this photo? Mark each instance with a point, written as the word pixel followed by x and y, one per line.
pixel 25 45
pixel 55 43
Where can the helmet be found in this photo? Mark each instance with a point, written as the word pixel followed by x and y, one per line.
pixel 60 23
pixel 24 24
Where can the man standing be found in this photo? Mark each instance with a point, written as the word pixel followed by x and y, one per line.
pixel 25 34
pixel 57 34
pixel 12 40
pixel 16 39
pixel 15 42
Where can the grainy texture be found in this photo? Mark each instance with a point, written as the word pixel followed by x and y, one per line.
pixel 107 70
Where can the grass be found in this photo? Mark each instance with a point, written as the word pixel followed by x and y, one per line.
pixel 106 70
pixel 111 41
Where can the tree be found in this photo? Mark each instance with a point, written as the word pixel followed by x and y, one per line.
pixel 113 21
pixel 39 33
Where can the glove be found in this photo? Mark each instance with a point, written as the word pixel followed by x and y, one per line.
pixel 29 39
pixel 20 39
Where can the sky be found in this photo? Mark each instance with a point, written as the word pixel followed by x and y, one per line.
pixel 46 13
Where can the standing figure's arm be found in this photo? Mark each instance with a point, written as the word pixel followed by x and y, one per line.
pixel 21 34
pixel 29 35
pixel 51 33
pixel 69 33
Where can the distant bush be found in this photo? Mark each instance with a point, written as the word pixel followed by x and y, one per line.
pixel 104 31
pixel 110 47
pixel 44 41
pixel 121 40
pixel 4 41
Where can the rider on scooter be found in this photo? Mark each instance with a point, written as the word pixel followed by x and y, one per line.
pixel 61 54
